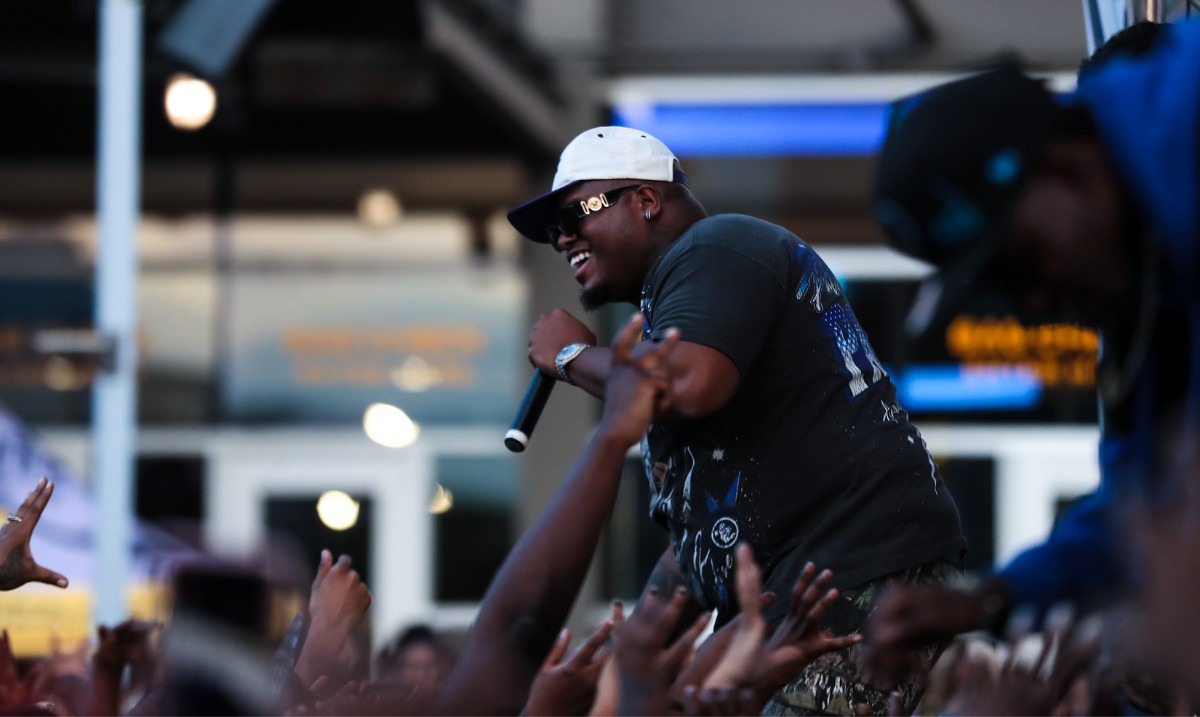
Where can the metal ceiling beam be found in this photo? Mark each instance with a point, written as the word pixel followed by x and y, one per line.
pixel 548 123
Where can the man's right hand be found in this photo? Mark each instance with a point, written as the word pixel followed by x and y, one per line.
pixel 551 333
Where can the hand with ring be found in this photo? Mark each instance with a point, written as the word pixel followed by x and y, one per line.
pixel 17 565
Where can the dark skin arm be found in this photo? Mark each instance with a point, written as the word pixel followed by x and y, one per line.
pixel 703 379
pixel 532 594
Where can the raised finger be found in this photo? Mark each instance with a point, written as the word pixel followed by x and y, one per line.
pixel 38 679
pixel 646 617
pixel 558 649
pixel 8 663
pixel 807 573
pixel 319 685
pixel 691 701
pixel 324 566
pixel 27 504
pixel 749 581
pixel 588 648
pixel 673 609
pixel 48 576
pixel 814 592
pixel 41 496
pixel 623 348
pixel 829 643
pixel 662 348
pixel 33 495
pixel 817 613
pixel 803 605
pixel 686 643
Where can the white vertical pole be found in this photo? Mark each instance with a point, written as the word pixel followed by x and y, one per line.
pixel 114 398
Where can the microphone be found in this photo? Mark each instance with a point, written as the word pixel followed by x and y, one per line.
pixel 529 411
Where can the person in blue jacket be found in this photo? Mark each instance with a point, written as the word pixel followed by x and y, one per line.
pixel 1091 201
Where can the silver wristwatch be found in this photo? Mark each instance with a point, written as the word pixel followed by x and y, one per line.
pixel 568 354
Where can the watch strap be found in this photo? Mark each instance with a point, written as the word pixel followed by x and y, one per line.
pixel 568 354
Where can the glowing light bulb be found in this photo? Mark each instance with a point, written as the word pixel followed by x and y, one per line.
pixel 389 426
pixel 337 510
pixel 190 102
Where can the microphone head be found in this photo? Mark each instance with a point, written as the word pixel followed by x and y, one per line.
pixel 516 440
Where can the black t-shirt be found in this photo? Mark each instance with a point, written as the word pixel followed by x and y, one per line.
pixel 813 458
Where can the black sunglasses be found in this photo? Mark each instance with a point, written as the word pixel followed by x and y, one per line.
pixel 567 219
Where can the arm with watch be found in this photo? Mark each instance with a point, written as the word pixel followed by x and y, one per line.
pixel 562 346
pixel 702 378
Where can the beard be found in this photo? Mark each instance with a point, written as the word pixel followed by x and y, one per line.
pixel 594 298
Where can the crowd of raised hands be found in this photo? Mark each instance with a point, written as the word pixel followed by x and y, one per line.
pixel 657 658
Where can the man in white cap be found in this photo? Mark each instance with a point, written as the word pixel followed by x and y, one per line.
pixel 786 431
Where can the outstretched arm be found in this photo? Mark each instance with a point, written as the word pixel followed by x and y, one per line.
pixel 529 599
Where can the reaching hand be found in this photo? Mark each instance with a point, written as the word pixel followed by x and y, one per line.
pixel 745 647
pixel 799 639
pixel 749 662
pixel 647 664
pixel 712 651
pixel 338 596
pixel 909 616
pixel 336 607
pixel 17 565
pixel 1050 685
pixel 17 692
pixel 125 644
pixel 568 687
pixel 638 387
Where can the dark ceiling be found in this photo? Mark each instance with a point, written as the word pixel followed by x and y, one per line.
pixel 315 79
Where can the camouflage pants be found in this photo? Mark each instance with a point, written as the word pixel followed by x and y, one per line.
pixel 830 684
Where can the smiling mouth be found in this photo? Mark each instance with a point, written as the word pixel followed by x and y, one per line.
pixel 577 260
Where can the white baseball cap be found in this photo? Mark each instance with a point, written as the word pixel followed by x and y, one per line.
pixel 598 153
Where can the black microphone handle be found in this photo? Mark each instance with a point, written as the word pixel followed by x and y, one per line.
pixel 529 412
